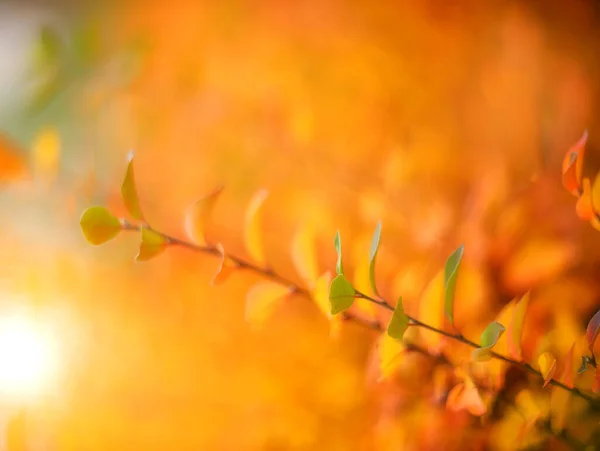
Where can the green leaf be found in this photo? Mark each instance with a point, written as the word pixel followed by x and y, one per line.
pixel 99 225
pixel 450 275
pixel 129 192
pixel 584 364
pixel 399 322
pixel 341 294
pixel 337 242
pixel 489 338
pixel 153 244
pixel 373 254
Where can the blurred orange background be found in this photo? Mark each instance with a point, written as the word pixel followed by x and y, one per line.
pixel 446 121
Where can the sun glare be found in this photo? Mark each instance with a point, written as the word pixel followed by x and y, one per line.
pixel 28 357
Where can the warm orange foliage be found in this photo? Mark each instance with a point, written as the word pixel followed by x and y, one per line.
pixel 448 123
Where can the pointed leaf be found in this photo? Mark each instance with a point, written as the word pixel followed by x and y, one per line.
pixel 583 207
pixel 465 397
pixel 198 216
pixel 547 364
pixel 99 225
pixel 261 301
pixel 595 195
pixel 320 294
pixel 514 331
pixel 391 352
pixel 341 294
pixel 152 244
pixel 399 322
pixel 572 167
pixel 489 337
pixel 373 255
pixel 226 267
pixel 593 329
pixel 337 242
pixel 304 255
pixel 450 276
pixel 129 191
pixel 253 227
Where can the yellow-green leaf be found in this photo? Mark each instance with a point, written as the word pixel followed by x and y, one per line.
pixel 373 254
pixel 450 276
pixel 99 225
pixel 341 294
pixel 489 337
pixel 399 322
pixel 153 244
pixel 253 227
pixel 337 242
pixel 129 192
pixel 226 267
pixel 547 364
pixel 262 299
pixel 198 216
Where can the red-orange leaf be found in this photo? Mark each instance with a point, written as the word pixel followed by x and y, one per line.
pixel 593 329
pixel 584 207
pixel 573 165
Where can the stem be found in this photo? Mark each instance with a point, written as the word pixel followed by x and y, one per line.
pixel 460 338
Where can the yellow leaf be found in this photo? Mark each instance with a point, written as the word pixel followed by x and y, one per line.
pixel 261 301
pixel 129 191
pixel 391 352
pixel 583 207
pixel 320 294
pixel 514 331
pixel 547 364
pixel 431 311
pixel 198 216
pixel 46 154
pixel 99 225
pixel 253 227
pixel 304 255
pixel 152 244
pixel 226 267
pixel 595 195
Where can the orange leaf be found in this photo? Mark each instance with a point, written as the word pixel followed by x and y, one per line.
pixel 304 255
pixel 226 267
pixel 253 227
pixel 572 166
pixel 584 207
pixel 595 195
pixel 198 216
pixel 514 330
pixel 547 364
pixel 261 301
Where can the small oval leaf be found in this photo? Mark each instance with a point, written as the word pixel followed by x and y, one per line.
pixel 129 191
pixel 99 225
pixel 152 244
pixel 373 254
pixel 572 166
pixel 261 301
pixel 341 294
pixel 593 329
pixel 198 216
pixel 547 364
pixel 399 322
pixel 226 267
pixel 450 276
pixel 489 337
pixel 253 227
pixel 337 242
